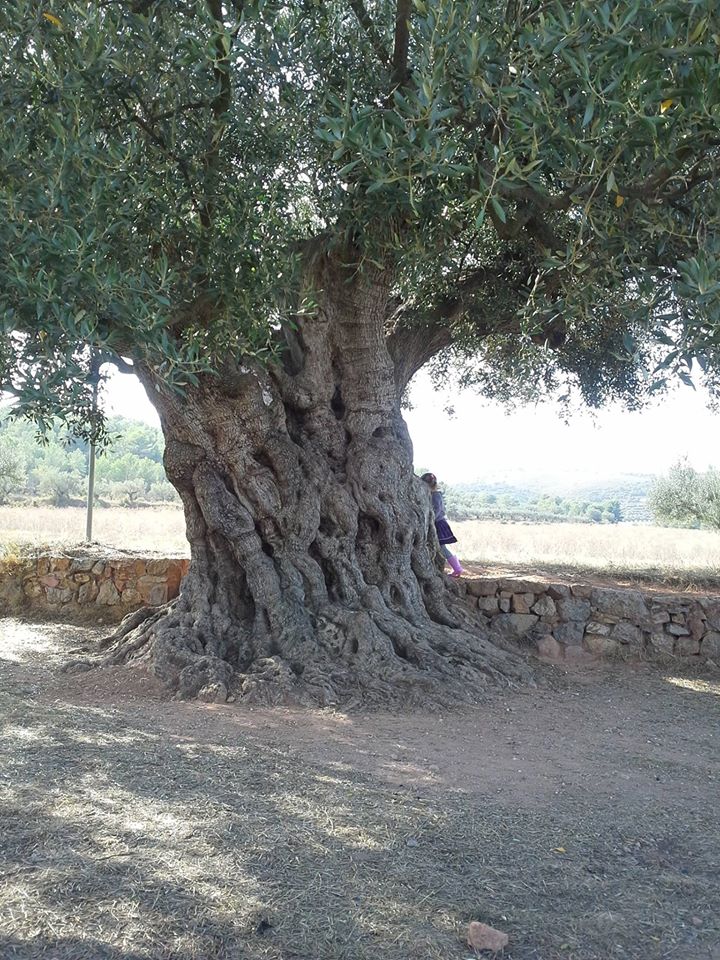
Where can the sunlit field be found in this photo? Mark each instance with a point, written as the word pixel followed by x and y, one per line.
pixel 156 529
pixel 613 550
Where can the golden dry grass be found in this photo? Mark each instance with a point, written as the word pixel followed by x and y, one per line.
pixel 160 529
pixel 623 550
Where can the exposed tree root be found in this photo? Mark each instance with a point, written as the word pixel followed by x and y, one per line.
pixel 361 657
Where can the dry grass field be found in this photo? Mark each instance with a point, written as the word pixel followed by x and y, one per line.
pixel 640 552
pixel 635 551
pixel 160 529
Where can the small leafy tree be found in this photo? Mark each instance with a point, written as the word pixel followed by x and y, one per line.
pixel 12 471
pixel 60 477
pixel 686 498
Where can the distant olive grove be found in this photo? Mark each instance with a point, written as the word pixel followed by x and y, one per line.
pixel 128 473
pixel 474 503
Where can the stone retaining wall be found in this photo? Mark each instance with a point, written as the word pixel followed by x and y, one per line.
pixel 78 584
pixel 579 621
pixel 574 622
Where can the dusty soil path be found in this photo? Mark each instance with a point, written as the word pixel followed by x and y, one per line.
pixel 582 817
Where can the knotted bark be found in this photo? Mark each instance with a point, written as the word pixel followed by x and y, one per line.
pixel 313 573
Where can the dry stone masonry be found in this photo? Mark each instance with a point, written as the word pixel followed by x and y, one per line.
pixel 571 622
pixel 81 584
pixel 578 622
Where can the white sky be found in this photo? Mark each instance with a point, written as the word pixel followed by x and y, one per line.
pixel 482 442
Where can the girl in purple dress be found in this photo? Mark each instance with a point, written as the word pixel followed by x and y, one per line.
pixel 445 534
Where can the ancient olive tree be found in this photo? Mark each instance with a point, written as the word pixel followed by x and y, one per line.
pixel 275 213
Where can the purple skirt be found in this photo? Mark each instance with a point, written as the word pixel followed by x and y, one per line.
pixel 445 534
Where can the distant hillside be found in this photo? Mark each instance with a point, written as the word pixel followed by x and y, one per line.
pixel 129 472
pixel 623 498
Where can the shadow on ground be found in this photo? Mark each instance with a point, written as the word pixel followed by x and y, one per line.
pixel 139 830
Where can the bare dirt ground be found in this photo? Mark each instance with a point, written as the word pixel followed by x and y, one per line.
pixel 581 817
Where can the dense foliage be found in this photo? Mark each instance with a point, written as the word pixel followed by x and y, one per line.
pixel 538 180
pixel 686 498
pixel 128 472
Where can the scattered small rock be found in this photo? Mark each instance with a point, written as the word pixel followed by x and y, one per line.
pixel 482 937
pixel 76 666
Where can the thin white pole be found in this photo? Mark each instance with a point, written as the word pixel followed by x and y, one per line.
pixel 91 462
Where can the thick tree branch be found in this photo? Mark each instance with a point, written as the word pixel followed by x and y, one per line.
pixel 416 336
pixel 402 42
pixel 366 22
pixel 411 347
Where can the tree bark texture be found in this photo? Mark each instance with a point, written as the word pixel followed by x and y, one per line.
pixel 314 574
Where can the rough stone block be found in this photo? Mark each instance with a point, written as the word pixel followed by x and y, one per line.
pixel 82 564
pixel 625 632
pixel 582 591
pixel 81 577
pixel 504 604
pixel 521 602
pixel 661 643
pixel 711 606
pixel 60 563
pixel 571 609
pixel 571 634
pixel 696 621
pixel 155 595
pixel 621 604
pixel 50 580
pixel 488 604
pixel 558 590
pixel 107 594
pixel 544 607
pixel 481 937
pixel 157 567
pixel 131 596
pixel 687 647
pixel 600 645
pixel 481 588
pixel 597 628
pixel 55 595
pixel 711 646
pixel 660 615
pixel 43 566
pixel 677 630
pixel 516 585
pixel 87 592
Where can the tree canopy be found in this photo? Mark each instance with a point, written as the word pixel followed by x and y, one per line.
pixel 537 179
pixel 686 498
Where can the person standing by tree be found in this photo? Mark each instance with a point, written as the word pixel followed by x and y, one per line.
pixel 444 531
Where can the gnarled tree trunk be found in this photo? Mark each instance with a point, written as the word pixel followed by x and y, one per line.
pixel 313 575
